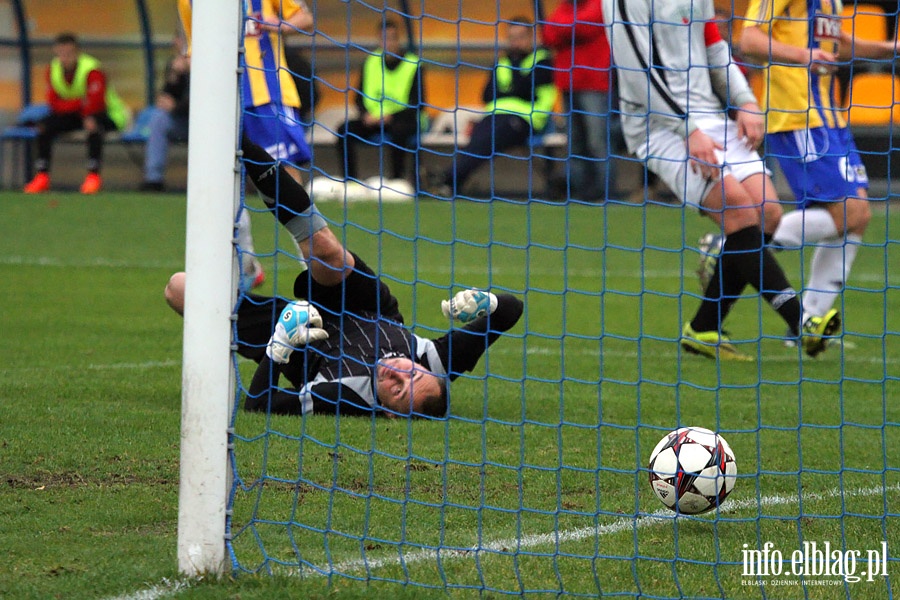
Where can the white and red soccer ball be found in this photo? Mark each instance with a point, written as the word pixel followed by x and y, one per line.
pixel 692 470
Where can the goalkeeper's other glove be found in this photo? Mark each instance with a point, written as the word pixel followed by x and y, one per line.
pixel 468 305
pixel 298 325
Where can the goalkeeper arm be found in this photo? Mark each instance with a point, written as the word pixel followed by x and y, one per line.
pixel 461 349
pixel 264 393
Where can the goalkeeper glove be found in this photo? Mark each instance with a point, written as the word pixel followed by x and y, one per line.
pixel 468 305
pixel 298 325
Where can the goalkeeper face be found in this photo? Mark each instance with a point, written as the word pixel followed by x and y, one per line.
pixel 406 388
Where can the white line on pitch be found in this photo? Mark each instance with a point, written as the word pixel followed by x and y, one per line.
pixel 660 517
pixel 161 590
pixel 591 273
pixel 152 364
pixel 532 350
pixel 849 356
pixel 600 273
pixel 52 261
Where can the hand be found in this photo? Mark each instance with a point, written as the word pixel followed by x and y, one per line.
pixel 165 102
pixel 751 124
pixel 269 25
pixel 90 124
pixel 298 325
pixel 181 64
pixel 469 305
pixel 275 25
pixel 822 62
pixel 702 151
pixel 370 120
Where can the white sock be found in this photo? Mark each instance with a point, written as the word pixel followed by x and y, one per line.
pixel 250 264
pixel 244 235
pixel 808 226
pixel 828 273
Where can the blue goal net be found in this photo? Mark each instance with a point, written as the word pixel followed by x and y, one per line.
pixel 452 147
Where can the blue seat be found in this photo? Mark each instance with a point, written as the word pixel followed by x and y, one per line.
pixel 19 132
pixel 32 113
pixel 20 136
pixel 25 121
pixel 140 129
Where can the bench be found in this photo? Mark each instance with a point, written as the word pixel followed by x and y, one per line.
pixel 446 133
pixel 20 138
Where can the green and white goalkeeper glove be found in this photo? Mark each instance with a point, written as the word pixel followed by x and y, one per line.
pixel 468 305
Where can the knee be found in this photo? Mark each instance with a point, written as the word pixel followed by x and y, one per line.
pixel 771 215
pixel 858 215
pixel 737 216
pixel 737 219
pixel 175 292
pixel 732 207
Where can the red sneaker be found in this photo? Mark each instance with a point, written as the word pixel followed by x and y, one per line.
pixel 260 279
pixel 91 184
pixel 253 275
pixel 40 183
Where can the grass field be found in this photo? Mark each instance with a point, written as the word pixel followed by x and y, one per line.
pixel 537 482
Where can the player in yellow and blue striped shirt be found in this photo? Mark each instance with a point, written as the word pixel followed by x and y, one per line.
pixel 802 42
pixel 269 95
pixel 270 99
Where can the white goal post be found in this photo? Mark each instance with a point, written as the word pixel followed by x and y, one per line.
pixel 211 267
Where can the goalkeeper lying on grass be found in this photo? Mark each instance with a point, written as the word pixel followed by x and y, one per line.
pixel 355 355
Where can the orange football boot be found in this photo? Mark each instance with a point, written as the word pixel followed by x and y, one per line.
pixel 40 184
pixel 91 184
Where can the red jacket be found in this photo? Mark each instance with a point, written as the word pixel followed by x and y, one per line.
pixel 92 103
pixel 578 38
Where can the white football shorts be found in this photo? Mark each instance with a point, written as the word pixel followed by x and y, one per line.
pixel 665 152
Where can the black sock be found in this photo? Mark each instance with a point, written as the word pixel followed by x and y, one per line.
pixel 759 268
pixel 778 292
pixel 719 297
pixel 278 188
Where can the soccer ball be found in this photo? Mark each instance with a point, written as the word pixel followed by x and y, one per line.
pixel 692 470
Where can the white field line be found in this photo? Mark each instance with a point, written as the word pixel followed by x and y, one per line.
pixel 153 364
pixel 535 268
pixel 52 261
pixel 138 366
pixel 164 589
pixel 532 350
pixel 850 356
pixel 661 517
